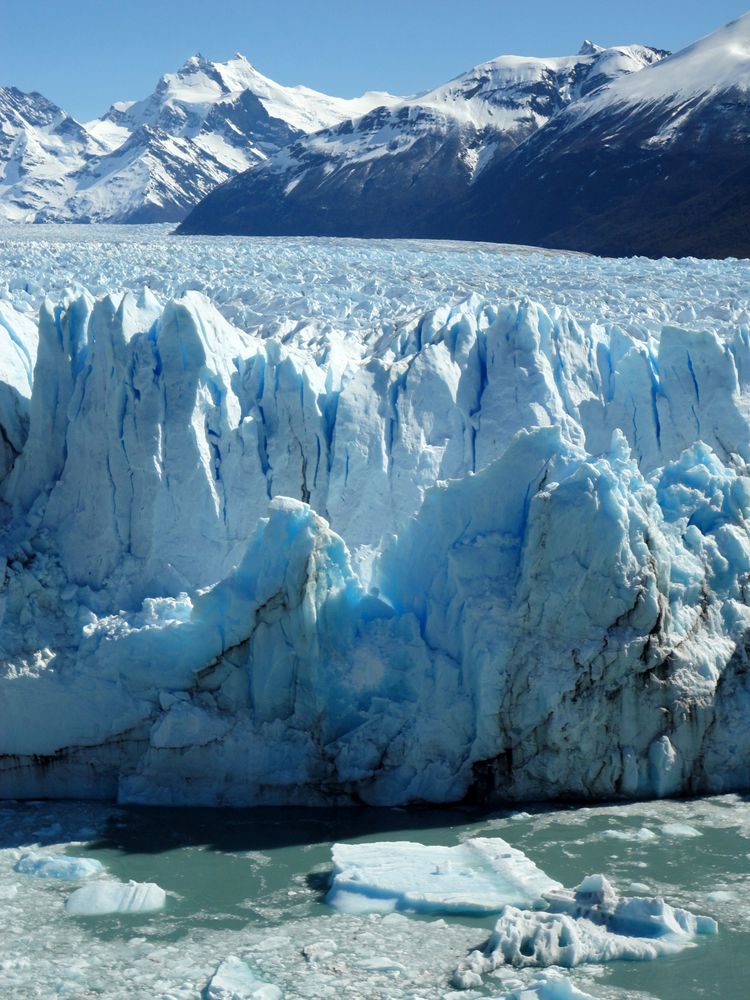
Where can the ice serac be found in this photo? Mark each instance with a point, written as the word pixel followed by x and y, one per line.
pixel 492 551
pixel 18 347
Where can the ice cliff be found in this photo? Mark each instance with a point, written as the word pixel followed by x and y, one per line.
pixel 494 550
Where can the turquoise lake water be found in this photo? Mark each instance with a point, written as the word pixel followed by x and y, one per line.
pixel 252 883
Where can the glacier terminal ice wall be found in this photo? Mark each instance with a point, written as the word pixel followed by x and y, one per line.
pixel 496 548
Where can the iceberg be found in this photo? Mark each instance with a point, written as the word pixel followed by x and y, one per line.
pixel 590 924
pixel 547 988
pixel 100 898
pixel 59 866
pixel 480 875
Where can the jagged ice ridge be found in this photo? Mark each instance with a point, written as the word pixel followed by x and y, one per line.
pixel 491 548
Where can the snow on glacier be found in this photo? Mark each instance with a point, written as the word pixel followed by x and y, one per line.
pixel 387 522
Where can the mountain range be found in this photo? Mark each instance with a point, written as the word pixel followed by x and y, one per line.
pixel 152 160
pixel 400 171
pixel 618 151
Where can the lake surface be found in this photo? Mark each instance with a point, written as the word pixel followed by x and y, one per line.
pixel 252 883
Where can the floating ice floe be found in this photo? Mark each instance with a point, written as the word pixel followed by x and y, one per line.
pixel 547 988
pixel 58 866
pixel 235 980
pixel 680 830
pixel 481 875
pixel 99 898
pixel 591 924
pixel 640 836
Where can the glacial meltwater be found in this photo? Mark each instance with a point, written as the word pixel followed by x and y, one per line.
pixel 252 884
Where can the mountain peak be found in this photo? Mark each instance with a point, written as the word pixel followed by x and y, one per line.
pixel 590 48
pixel 196 61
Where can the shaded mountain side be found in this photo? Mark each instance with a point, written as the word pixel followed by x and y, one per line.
pixel 622 189
pixel 396 171
pixel 390 196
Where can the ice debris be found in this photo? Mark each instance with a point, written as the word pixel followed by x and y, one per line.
pixel 235 980
pixel 481 875
pixel 99 898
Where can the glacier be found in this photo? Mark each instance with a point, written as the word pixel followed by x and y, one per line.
pixel 370 524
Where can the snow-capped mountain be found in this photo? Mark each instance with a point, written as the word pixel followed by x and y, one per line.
pixel 151 160
pixel 41 150
pixel 392 171
pixel 655 163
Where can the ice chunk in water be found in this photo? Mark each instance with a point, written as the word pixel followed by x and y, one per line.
pixel 591 924
pixel 235 980
pixel 547 988
pixel 58 866
pixel 481 875
pixel 98 898
pixel 637 916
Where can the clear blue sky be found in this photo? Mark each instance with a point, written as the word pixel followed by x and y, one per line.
pixel 85 54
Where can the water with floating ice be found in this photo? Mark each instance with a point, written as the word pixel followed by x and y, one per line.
pixel 247 902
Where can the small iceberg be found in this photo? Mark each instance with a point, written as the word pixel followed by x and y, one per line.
pixel 547 988
pixel 235 980
pixel 481 875
pixel 58 866
pixel 100 898
pixel 591 924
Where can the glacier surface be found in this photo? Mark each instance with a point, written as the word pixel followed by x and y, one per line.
pixel 370 523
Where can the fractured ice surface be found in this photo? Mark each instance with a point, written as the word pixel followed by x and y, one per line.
pixel 99 898
pixel 480 875
pixel 349 532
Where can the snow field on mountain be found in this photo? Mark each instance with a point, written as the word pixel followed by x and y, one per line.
pixel 395 522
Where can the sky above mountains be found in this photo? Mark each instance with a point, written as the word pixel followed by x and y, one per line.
pixel 85 54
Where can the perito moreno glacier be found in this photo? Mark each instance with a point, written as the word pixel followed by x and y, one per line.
pixel 329 522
